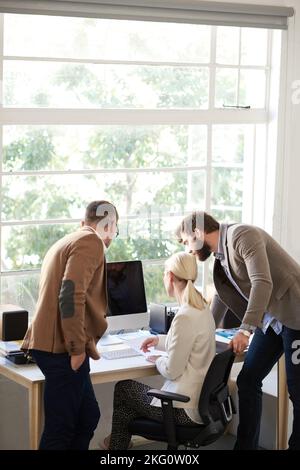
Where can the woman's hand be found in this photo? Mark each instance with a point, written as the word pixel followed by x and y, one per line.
pixel 152 358
pixel 149 343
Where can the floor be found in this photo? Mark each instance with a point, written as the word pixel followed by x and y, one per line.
pixel 224 443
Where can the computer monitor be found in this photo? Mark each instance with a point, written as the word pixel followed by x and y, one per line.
pixel 127 306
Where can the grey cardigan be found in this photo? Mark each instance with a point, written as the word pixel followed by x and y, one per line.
pixel 266 274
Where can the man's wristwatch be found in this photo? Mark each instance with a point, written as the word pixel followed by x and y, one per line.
pixel 245 332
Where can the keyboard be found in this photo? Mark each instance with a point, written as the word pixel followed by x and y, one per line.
pixel 120 353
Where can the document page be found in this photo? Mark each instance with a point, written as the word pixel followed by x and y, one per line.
pixel 136 341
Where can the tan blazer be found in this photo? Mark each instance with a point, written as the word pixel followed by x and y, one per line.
pixel 190 344
pixel 266 274
pixel 71 307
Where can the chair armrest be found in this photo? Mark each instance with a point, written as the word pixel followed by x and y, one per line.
pixel 167 399
pixel 168 396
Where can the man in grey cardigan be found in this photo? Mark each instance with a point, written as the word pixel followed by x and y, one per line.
pixel 259 283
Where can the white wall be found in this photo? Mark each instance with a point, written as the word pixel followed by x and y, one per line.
pixel 286 215
pixel 286 219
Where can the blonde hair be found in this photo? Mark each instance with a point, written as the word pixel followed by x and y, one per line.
pixel 184 267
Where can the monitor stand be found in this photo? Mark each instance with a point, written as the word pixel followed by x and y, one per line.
pixel 127 323
pixel 108 340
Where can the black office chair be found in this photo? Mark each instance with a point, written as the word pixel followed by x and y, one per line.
pixel 215 407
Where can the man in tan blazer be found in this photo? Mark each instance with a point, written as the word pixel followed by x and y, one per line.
pixel 259 282
pixel 68 322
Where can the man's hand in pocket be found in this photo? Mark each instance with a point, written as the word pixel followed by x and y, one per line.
pixel 77 361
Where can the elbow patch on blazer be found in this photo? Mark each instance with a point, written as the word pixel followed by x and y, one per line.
pixel 66 299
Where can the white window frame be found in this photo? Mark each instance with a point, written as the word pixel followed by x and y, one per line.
pixel 36 116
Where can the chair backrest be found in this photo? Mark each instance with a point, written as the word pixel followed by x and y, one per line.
pixel 214 402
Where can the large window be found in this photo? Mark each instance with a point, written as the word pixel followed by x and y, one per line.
pixel 159 118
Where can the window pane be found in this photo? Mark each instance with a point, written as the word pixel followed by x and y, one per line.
pixel 199 280
pixel 227 45
pixel 20 290
pixel 231 142
pixel 210 287
pixel 197 145
pixel 227 187
pixel 63 85
pixel 23 289
pixel 24 247
pixel 227 216
pixel 143 237
pixel 87 38
pixel 252 88
pixel 254 46
pixel 196 190
pixel 121 65
pixel 91 147
pixel 155 290
pixel 226 87
pixel 152 227
pixel 63 196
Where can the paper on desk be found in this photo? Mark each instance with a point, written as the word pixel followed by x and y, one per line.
pixel 136 345
pixel 221 339
pixel 135 339
pixel 10 346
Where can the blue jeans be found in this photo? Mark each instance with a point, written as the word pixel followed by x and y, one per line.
pixel 71 409
pixel 264 352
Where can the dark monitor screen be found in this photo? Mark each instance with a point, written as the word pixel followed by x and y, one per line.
pixel 125 287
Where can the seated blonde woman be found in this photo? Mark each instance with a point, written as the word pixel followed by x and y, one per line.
pixel 190 347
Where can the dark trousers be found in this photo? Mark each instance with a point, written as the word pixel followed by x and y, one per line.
pixel 264 352
pixel 71 409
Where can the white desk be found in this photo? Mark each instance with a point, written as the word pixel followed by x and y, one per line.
pixel 104 371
